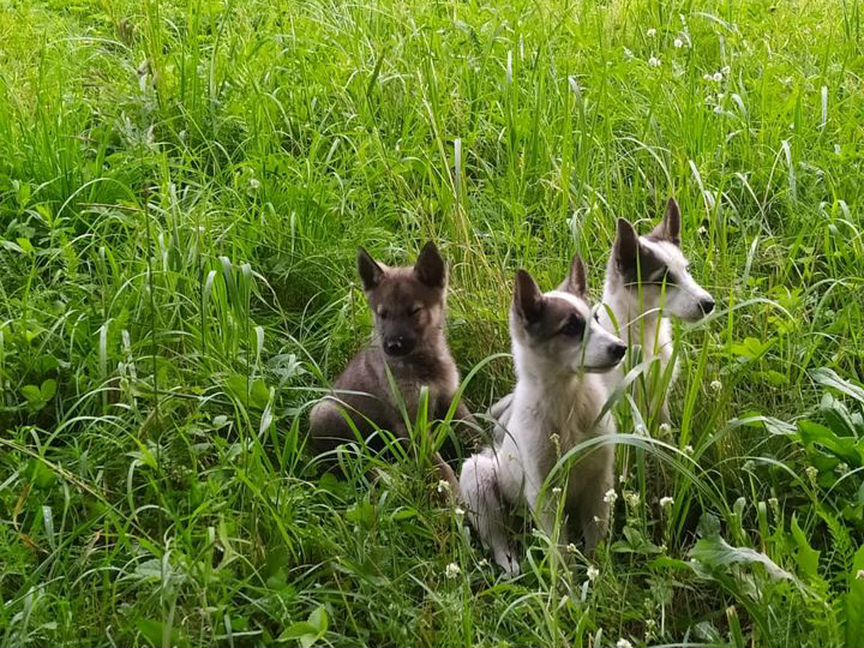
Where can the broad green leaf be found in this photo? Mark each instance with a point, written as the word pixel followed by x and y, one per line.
pixel 807 557
pixel 715 553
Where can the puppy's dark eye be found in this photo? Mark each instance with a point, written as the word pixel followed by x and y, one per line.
pixel 574 327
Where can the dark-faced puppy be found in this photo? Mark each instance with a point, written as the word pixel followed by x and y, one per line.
pixel 409 304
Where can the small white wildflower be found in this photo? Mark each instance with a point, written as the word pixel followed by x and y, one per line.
pixel 749 465
pixel 651 33
pixel 718 110
pixel 632 499
pixel 254 184
pixel 654 62
pixel 666 502
pixel 459 511
pixel 725 70
pixel 592 573
pixel 721 96
pixel 678 43
pixel 623 643
pixel 716 385
pixel 688 449
pixel 683 19
pixel 482 563
pixel 571 548
pixel 812 474
pixel 443 486
pixel 837 149
pixel 628 53
pixel 452 571
pixel 859 574
pixel 707 77
pixel 717 77
pixel 556 490
pixel 640 430
pixel 665 429
pixel 610 496
pixel 841 469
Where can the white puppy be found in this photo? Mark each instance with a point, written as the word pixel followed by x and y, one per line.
pixel 558 350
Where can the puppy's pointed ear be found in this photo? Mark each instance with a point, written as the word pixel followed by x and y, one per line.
pixel 626 244
pixel 575 282
pixel 670 228
pixel 430 268
pixel 370 271
pixel 527 298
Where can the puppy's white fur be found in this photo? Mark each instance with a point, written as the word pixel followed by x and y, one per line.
pixel 556 406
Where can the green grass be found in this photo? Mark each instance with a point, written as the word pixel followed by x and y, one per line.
pixel 182 190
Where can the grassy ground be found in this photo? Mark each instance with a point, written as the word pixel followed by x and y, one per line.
pixel 182 189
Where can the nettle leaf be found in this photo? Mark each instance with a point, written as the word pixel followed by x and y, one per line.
pixel 48 389
pixel 33 394
pixel 308 632
pixel 855 602
pixel 715 553
pixel 751 349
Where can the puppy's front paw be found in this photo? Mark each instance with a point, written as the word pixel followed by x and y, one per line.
pixel 509 564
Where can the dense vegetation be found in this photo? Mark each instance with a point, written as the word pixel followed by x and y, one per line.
pixel 182 190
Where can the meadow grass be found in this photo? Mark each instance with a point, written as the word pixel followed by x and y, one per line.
pixel 182 190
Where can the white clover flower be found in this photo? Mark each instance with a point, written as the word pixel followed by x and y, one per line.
pixel 622 478
pixel 665 429
pixel 841 469
pixel 725 70
pixel 610 496
pixel 592 573
pixel 628 53
pixel 707 77
pixel 859 574
pixel 718 110
pixel 654 62
pixel 443 486
pixel 623 643
pixel 716 385
pixel 678 43
pixel 688 450
pixel 812 474
pixel 651 33
pixel 632 499
pixel 717 77
pixel 254 184
pixel 452 571
pixel 571 548
pixel 666 502
pixel 482 563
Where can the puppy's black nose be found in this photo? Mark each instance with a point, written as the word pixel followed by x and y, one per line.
pixel 397 346
pixel 707 305
pixel 617 351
